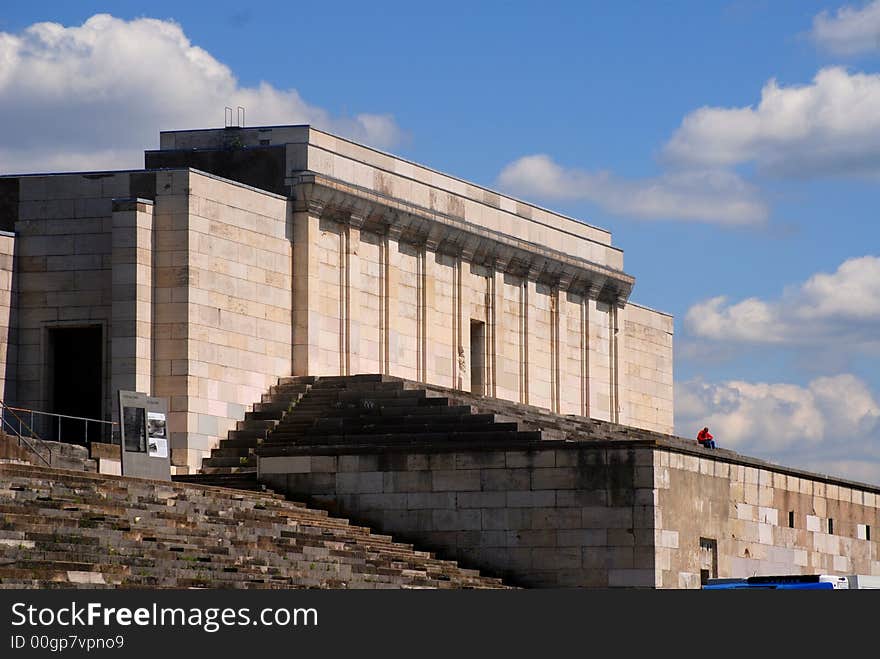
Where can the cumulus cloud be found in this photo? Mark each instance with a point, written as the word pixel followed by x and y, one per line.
pixel 829 127
pixel 95 96
pixel 850 30
pixel 716 195
pixel 831 425
pixel 842 307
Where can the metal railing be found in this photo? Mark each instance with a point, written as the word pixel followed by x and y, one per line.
pixel 9 427
pixel 23 424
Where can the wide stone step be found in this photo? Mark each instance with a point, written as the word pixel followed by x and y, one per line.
pixel 239 481
pixel 246 442
pixel 413 430
pixel 259 433
pixel 408 425
pixel 395 421
pixel 209 465
pixel 378 388
pixel 392 410
pixel 256 424
pixel 397 439
pixel 344 380
pixel 225 451
pixel 278 408
pixel 292 385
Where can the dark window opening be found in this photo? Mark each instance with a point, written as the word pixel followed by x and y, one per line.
pixel 830 525
pixel 791 519
pixel 75 378
pixel 708 559
pixel 478 357
pixel 867 531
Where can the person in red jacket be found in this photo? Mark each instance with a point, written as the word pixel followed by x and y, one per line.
pixel 705 439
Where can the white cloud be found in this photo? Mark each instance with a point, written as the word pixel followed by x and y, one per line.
pixel 842 307
pixel 96 95
pixel 830 426
pixel 849 31
pixel 851 292
pixel 717 196
pixel 829 127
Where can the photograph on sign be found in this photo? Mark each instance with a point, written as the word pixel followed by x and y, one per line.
pixel 157 438
pixel 134 429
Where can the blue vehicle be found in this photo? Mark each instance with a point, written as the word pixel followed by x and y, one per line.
pixel 782 582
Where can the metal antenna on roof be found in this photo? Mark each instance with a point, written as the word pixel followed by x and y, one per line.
pixel 240 116
pixel 227 117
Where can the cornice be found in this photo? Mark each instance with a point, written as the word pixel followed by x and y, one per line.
pixel 401 221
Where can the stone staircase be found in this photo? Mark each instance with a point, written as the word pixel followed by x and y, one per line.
pixel 335 412
pixel 386 411
pixel 235 453
pixel 232 463
pixel 71 529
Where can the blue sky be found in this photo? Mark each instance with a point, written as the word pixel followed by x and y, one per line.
pixel 732 148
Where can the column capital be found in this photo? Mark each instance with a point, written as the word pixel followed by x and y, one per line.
pixel 311 206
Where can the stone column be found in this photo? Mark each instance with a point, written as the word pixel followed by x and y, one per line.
pixel 585 354
pixel 384 271
pixel 349 301
pixel 8 330
pixel 131 330
pixel 614 362
pixel 495 313
pixel 392 279
pixel 460 358
pixel 422 316
pixel 526 319
pixel 306 311
pixel 554 349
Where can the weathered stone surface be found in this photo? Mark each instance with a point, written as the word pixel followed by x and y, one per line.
pixel 77 530
pixel 608 505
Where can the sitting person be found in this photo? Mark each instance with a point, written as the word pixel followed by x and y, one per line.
pixel 705 439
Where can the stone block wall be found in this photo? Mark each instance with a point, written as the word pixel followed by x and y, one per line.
pixel 191 287
pixel 645 368
pixel 223 302
pixel 560 516
pixel 735 519
pixel 64 261
pixel 647 514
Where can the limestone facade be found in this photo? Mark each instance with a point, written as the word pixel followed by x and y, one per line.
pixel 241 255
pixel 191 288
pixel 661 514
pixel 743 517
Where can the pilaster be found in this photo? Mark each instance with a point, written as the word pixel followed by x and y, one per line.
pixel 306 310
pixel 131 332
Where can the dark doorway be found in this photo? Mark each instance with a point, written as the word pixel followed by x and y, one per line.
pixel 75 377
pixel 708 560
pixel 478 357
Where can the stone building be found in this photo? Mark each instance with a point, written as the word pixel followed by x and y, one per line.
pixel 240 255
pixel 443 362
